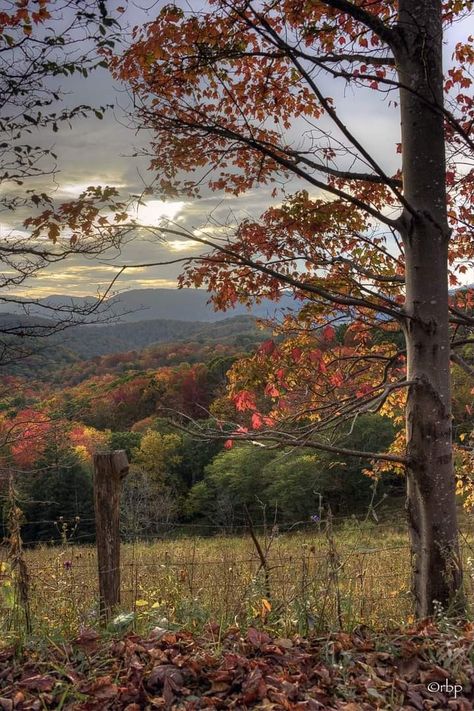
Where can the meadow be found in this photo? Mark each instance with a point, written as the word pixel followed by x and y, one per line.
pixel 317 578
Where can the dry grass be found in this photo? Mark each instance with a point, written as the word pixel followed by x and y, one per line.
pixel 358 575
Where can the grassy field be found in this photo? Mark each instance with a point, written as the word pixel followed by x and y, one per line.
pixel 357 572
pixel 314 581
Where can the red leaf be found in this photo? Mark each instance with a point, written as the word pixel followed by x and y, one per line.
pixel 244 400
pixel 315 355
pixel 337 379
pixel 271 390
pixel 329 333
pixel 296 354
pixel 267 347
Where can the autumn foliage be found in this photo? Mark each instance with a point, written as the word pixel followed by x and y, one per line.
pixel 241 97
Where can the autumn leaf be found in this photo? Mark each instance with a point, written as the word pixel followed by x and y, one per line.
pixel 267 347
pixel 329 334
pixel 244 400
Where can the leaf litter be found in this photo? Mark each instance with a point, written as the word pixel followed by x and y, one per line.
pixel 419 668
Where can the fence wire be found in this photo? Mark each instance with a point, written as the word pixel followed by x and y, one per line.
pixel 356 572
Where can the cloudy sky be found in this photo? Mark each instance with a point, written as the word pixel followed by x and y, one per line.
pixel 98 152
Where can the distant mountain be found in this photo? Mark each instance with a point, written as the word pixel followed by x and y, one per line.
pixel 39 355
pixel 90 341
pixel 151 304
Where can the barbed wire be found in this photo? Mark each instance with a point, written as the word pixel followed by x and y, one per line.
pixel 283 527
pixel 183 563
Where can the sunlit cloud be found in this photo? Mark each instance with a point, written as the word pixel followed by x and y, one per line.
pixel 75 189
pixel 9 232
pixel 152 283
pixel 63 277
pixel 208 230
pixel 82 270
pixel 154 211
pixel 181 245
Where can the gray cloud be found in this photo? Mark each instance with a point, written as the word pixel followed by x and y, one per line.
pixel 100 152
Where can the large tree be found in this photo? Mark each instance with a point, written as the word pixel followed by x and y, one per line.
pixel 240 95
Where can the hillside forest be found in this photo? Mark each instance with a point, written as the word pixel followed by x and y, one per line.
pixel 160 403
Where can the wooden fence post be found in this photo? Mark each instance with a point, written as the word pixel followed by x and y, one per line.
pixel 109 470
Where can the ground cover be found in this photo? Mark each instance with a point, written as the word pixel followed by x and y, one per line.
pixel 427 666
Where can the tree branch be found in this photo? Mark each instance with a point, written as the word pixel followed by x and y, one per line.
pixel 288 440
pixel 362 58
pixel 366 18
pixel 270 151
pixel 461 317
pixel 469 369
pixel 238 259
pixel 292 54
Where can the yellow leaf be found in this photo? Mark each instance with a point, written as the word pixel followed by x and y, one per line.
pixel 141 603
pixel 266 604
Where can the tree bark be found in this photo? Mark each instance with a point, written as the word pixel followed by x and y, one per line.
pixel 431 502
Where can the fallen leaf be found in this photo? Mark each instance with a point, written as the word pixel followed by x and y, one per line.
pixel 88 639
pixel 38 683
pixel 102 688
pixel 283 642
pixel 415 699
pixel 257 638
pixel 162 673
pixel 254 687
pixel 435 673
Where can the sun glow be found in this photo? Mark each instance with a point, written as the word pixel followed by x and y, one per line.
pixel 180 245
pixel 156 210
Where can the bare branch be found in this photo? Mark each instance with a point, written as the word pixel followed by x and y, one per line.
pixel 459 360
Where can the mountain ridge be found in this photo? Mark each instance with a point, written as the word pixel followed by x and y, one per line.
pixel 136 305
pixel 85 342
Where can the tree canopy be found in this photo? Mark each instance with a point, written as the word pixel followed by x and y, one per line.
pixel 237 97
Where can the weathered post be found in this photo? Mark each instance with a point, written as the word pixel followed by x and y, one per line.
pixel 109 470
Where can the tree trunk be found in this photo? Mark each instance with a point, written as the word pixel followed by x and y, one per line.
pixel 431 503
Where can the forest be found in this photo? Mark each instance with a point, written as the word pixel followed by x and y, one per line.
pixel 148 402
